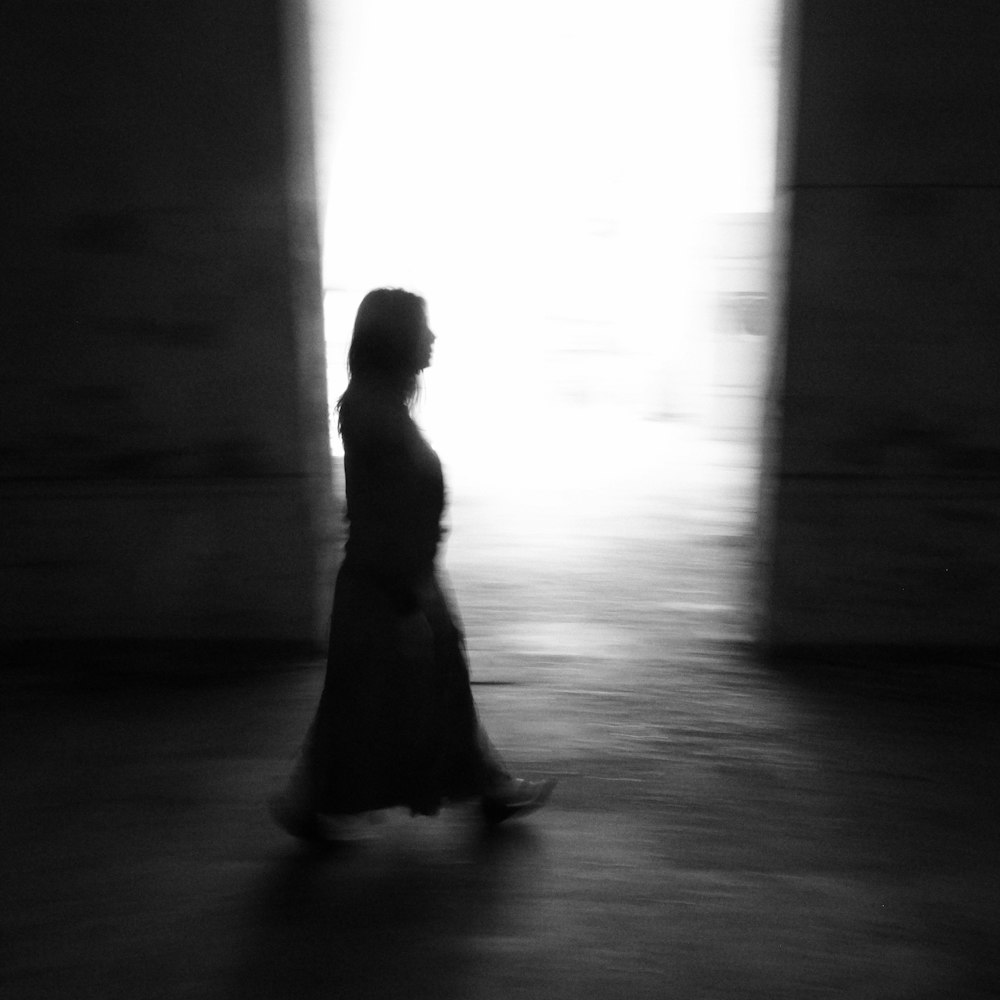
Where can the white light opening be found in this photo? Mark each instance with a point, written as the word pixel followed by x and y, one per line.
pixel 553 176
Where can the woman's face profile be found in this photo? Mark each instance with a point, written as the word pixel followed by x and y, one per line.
pixel 425 347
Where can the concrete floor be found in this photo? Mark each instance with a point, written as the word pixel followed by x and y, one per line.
pixel 722 829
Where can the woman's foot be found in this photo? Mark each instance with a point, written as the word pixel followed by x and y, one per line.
pixel 299 822
pixel 515 797
pixel 317 828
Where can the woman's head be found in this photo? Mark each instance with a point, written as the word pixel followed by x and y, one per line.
pixel 391 341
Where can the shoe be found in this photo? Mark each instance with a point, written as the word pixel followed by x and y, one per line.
pixel 296 821
pixel 517 797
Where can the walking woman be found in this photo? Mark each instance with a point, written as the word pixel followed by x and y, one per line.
pixel 396 724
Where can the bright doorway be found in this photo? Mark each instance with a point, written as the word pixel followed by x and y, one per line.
pixel 581 190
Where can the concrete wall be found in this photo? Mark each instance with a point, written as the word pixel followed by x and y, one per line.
pixel 884 478
pixel 163 461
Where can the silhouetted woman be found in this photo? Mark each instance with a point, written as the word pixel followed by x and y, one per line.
pixel 396 724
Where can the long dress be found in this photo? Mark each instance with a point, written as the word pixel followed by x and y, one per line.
pixel 396 724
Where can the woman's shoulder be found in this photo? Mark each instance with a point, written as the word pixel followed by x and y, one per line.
pixel 370 417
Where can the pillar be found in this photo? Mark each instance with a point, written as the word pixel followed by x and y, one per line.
pixel 164 469
pixel 882 485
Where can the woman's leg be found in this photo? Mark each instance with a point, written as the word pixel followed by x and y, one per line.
pixel 474 765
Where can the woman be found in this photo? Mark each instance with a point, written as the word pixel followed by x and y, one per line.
pixel 396 724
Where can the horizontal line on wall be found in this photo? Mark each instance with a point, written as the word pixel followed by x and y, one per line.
pixel 903 185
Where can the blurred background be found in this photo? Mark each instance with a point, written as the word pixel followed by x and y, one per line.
pixel 582 195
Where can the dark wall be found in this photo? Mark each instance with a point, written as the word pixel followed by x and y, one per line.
pixel 884 485
pixel 163 460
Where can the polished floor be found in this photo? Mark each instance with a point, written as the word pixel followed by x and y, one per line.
pixel 722 828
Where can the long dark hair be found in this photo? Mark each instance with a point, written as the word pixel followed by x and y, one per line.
pixel 386 343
